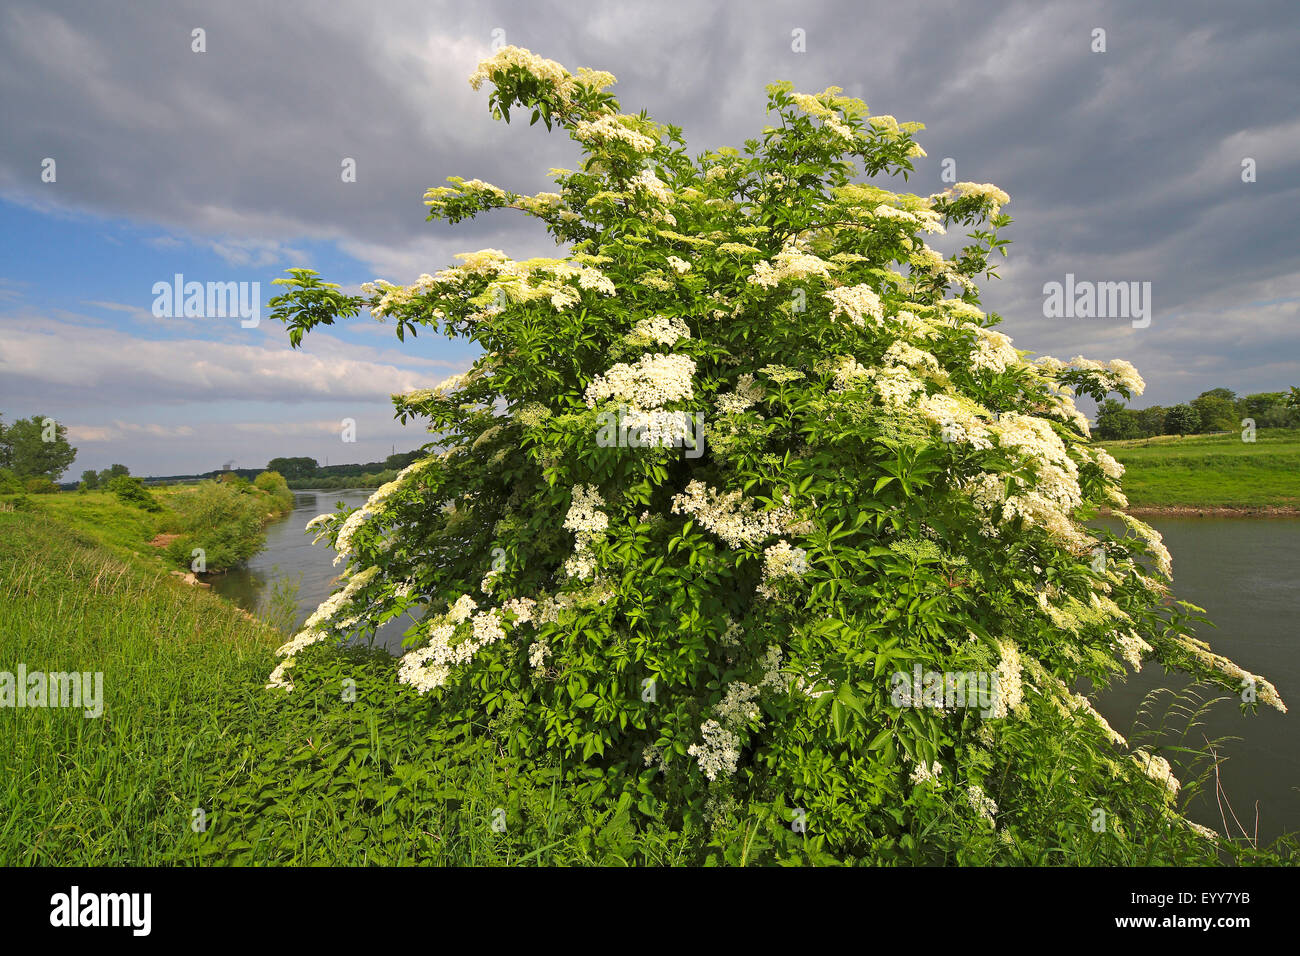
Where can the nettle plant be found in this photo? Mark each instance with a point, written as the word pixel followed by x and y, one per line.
pixel 706 621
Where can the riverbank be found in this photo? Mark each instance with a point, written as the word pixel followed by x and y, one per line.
pixel 1212 475
pixel 208 527
pixel 185 758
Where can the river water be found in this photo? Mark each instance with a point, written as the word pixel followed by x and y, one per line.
pixel 1244 571
pixel 290 554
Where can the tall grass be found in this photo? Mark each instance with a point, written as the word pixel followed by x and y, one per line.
pixel 117 789
pixel 322 776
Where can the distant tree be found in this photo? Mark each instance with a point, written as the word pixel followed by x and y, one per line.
pixel 131 491
pixel 1217 413
pixel 111 472
pixel 1150 421
pixel 400 461
pixel 6 453
pixel 1255 406
pixel 1114 421
pixel 1182 420
pixel 31 455
pixel 293 467
pixel 1227 394
pixel 1293 400
pixel 89 480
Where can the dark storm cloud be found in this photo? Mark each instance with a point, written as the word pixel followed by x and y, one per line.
pixel 1122 165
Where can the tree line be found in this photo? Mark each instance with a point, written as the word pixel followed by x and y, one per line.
pixel 1216 410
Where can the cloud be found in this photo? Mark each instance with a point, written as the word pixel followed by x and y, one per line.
pixel 59 363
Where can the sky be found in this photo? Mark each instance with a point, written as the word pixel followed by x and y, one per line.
pixel 1126 163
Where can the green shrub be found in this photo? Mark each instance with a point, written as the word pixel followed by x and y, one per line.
pixel 10 483
pixel 222 520
pixel 730 474
pixel 40 485
pixel 274 484
pixel 131 491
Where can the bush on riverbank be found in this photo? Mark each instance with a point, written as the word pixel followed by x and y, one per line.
pixel 273 483
pixel 131 491
pixel 727 472
pixel 224 520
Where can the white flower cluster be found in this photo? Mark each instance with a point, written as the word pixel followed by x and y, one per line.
pixel 1264 689
pixel 1116 372
pixel 830 118
pixel 857 302
pixel 546 71
pixel 1132 647
pixel 1009 690
pixel 896 385
pixel 790 263
pixel 588 524
pixel 926 774
pixel 909 356
pixel 659 330
pixel 1075 702
pixel 509 281
pixel 980 802
pixel 1109 466
pixel 354 522
pixel 680 266
pixel 1035 438
pixel 538 654
pixel 1158 769
pixel 1154 542
pixel 659 428
pixel 773 674
pixel 653 381
pixel 718 752
pixel 781 560
pixel 430 666
pixel 737 707
pixel 747 394
pixel 650 184
pixel 993 351
pixel 316 627
pixel 735 520
pixel 848 372
pixel 959 419
pixel 926 219
pixel 612 129
pixel 987 192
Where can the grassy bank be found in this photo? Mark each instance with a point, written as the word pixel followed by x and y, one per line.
pixel 1212 472
pixel 226 520
pixel 193 761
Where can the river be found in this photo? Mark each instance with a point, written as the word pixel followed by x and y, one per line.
pixel 1244 571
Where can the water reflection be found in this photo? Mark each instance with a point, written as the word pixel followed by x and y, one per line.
pixel 289 553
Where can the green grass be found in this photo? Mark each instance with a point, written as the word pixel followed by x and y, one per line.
pixel 301 778
pixel 1212 471
pixel 100 516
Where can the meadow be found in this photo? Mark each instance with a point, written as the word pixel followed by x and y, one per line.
pixel 1212 471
